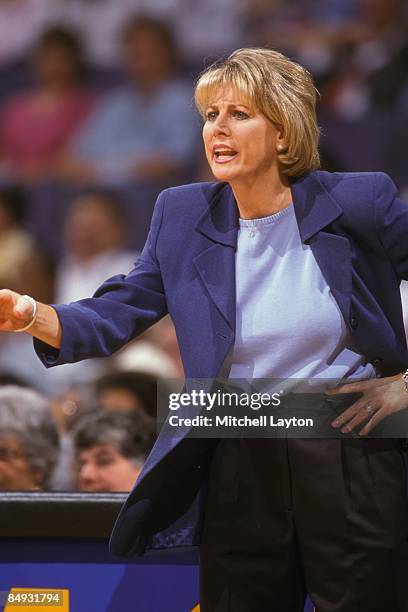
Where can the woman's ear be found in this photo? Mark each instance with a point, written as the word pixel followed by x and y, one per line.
pixel 281 146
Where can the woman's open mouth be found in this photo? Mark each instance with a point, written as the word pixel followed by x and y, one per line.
pixel 223 156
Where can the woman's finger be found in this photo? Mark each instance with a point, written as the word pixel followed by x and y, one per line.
pixel 365 412
pixel 374 421
pixel 358 386
pixel 7 303
pixel 349 413
pixel 6 299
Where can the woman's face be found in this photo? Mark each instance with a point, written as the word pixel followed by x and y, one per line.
pixel 16 473
pixel 90 228
pixel 146 57
pixel 103 468
pixel 240 142
pixel 55 63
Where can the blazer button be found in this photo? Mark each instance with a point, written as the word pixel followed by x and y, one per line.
pixel 354 322
pixel 377 362
pixel 221 335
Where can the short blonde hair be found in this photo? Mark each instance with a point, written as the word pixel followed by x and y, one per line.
pixel 281 89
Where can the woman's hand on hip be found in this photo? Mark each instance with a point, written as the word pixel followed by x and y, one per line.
pixel 381 398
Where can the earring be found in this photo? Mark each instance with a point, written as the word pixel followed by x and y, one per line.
pixel 280 148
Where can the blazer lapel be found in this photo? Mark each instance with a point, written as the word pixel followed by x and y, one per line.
pixel 332 254
pixel 315 209
pixel 216 263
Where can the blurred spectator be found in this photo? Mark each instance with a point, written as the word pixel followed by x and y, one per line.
pixel 362 91
pixel 358 46
pixel 371 69
pixel 28 440
pixel 18 360
pixel 25 269
pixel 306 30
pixel 206 30
pixel 36 125
pixel 23 266
pixel 95 239
pixel 155 352
pixel 16 244
pixel 203 29
pixel 100 23
pixel 118 391
pixel 396 159
pixel 72 404
pixel 146 130
pixel 127 391
pixel 110 450
pixel 358 54
pixel 68 407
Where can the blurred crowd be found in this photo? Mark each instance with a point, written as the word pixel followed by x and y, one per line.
pixel 96 118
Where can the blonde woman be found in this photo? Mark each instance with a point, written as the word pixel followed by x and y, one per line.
pixel 277 270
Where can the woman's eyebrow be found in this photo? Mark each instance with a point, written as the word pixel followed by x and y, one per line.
pixel 231 105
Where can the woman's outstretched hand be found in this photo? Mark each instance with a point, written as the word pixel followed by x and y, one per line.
pixel 16 311
pixel 381 398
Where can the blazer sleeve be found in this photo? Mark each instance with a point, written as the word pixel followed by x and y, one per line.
pixel 122 308
pixel 391 218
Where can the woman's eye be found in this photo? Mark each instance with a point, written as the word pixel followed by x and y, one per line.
pixel 104 461
pixel 240 114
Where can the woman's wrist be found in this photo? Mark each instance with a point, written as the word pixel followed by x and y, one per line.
pixel 33 314
pixel 46 326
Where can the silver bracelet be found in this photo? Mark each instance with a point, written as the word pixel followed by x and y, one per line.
pixel 34 315
pixel 405 379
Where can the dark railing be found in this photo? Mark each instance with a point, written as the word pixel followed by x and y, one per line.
pixel 58 515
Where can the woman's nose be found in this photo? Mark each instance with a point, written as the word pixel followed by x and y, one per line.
pixel 87 473
pixel 221 125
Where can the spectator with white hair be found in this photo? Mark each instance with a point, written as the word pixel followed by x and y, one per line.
pixel 29 442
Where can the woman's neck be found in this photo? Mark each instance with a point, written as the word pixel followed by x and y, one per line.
pixel 262 198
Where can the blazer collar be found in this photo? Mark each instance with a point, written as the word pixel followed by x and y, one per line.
pixel 220 221
pixel 314 208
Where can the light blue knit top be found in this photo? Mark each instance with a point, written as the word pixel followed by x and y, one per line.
pixel 288 325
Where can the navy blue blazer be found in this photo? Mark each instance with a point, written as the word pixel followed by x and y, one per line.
pixel 358 231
